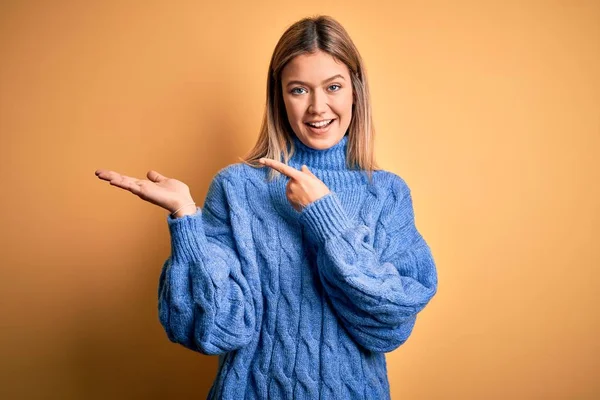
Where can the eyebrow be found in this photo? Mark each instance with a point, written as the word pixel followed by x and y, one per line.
pixel 325 81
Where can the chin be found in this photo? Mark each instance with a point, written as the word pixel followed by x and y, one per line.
pixel 321 143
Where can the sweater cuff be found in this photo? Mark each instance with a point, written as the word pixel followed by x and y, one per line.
pixel 187 237
pixel 325 218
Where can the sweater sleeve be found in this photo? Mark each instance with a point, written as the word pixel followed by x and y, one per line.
pixel 376 291
pixel 204 299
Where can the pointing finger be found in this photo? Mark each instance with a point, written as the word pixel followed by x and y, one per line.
pixel 281 167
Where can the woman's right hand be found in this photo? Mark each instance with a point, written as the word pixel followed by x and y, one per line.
pixel 168 193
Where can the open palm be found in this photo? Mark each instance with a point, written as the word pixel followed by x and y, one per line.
pixel 168 193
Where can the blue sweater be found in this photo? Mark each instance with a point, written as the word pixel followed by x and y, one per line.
pixel 298 305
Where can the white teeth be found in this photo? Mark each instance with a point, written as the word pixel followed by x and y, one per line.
pixel 320 124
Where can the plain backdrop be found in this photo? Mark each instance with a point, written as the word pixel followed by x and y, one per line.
pixel 490 110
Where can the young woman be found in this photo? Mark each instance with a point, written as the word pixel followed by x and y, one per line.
pixel 304 265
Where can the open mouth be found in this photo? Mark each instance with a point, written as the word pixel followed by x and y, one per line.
pixel 321 124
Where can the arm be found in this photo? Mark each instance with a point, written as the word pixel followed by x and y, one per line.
pixel 376 296
pixel 204 300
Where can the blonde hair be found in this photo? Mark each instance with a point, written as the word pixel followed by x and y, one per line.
pixel 307 36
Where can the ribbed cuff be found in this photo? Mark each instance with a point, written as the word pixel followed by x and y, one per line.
pixel 325 218
pixel 187 237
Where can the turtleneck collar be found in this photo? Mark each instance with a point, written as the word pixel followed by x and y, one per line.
pixel 333 158
pixel 329 165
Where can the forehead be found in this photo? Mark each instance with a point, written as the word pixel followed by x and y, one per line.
pixel 313 67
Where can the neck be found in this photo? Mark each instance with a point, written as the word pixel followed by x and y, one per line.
pixel 333 158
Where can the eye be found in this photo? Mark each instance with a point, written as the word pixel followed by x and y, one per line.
pixel 335 85
pixel 293 91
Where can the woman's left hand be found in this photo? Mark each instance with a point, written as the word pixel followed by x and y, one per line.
pixel 303 187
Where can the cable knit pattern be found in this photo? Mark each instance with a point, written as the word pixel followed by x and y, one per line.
pixel 297 305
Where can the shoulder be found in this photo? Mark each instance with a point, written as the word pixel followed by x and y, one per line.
pixel 231 172
pixel 233 175
pixel 221 187
pixel 397 205
pixel 391 184
pixel 229 184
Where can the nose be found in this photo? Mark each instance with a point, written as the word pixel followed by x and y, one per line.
pixel 318 103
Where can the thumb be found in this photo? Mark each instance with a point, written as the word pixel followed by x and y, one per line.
pixel 155 176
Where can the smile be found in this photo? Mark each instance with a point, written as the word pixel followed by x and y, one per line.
pixel 320 124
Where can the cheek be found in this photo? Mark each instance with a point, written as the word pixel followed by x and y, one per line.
pixel 293 111
pixel 344 107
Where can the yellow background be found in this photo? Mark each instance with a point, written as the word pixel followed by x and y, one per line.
pixel 490 110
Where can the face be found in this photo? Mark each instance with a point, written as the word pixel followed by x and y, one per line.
pixel 317 90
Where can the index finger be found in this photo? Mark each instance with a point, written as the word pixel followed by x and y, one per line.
pixel 119 180
pixel 281 167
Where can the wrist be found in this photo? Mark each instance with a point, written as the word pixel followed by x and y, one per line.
pixel 184 208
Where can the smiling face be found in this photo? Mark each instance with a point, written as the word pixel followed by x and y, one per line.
pixel 317 93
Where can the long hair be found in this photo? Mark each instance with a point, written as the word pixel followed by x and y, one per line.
pixel 307 36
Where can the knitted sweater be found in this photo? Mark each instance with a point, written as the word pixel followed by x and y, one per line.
pixel 298 305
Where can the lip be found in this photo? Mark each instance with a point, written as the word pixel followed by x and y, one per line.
pixel 324 119
pixel 320 131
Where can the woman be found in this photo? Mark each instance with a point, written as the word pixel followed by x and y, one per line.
pixel 304 265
